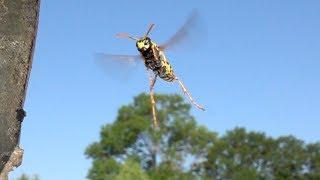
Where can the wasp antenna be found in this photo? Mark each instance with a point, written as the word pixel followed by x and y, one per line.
pixel 124 35
pixel 149 29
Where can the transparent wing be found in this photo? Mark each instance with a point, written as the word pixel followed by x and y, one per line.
pixel 117 66
pixel 117 57
pixel 189 35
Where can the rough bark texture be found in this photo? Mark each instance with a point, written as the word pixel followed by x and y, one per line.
pixel 18 26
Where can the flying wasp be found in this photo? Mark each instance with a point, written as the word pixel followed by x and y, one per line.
pixel 155 60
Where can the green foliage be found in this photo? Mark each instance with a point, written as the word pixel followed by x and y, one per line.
pixel 131 149
pixel 245 174
pixel 160 153
pixel 26 177
pixel 104 168
pixel 131 170
pixel 250 154
pixel 23 177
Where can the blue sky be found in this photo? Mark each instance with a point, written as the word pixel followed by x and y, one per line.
pixel 259 69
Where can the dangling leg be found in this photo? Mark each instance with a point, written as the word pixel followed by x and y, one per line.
pixel 153 103
pixel 186 92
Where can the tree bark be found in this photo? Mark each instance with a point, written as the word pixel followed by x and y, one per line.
pixel 18 27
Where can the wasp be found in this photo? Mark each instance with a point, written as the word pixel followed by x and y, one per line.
pixel 156 62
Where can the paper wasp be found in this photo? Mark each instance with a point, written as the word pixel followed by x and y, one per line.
pixel 155 60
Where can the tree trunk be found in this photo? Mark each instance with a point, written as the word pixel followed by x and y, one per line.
pixel 18 27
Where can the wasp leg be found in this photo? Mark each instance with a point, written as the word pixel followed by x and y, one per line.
pixel 153 103
pixel 186 92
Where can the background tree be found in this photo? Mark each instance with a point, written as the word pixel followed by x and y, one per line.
pixel 27 177
pixel 254 155
pixel 181 149
pixel 170 152
pixel 131 170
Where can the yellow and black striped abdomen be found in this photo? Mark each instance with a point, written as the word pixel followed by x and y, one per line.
pixel 166 70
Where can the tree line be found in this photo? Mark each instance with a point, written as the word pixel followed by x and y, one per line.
pixel 130 148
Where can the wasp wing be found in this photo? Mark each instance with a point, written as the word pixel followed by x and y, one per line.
pixel 190 33
pixel 117 66
pixel 117 57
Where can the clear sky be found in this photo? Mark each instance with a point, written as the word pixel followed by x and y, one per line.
pixel 259 69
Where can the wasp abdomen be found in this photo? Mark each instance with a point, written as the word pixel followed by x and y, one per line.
pixel 158 63
pixel 166 72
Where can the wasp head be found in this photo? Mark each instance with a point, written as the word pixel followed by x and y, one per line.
pixel 143 44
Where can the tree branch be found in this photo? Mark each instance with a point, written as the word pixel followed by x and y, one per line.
pixel 18 27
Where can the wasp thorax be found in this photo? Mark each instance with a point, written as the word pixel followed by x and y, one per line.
pixel 143 44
